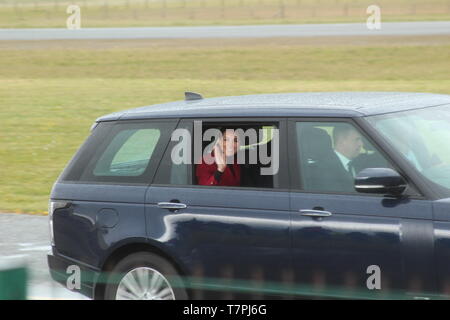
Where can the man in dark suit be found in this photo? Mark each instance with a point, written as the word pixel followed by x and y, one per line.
pixel 339 169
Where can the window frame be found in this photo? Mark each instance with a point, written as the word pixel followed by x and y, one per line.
pixel 161 169
pixel 283 173
pixel 413 191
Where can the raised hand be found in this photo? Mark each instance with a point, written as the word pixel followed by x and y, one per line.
pixel 219 157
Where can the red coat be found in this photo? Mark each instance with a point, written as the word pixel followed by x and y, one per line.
pixel 207 176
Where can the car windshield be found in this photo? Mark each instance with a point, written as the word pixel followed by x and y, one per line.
pixel 422 136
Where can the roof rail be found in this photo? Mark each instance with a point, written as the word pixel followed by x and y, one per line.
pixel 189 96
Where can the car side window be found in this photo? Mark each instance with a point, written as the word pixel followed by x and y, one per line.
pixel 250 155
pixel 331 154
pixel 127 152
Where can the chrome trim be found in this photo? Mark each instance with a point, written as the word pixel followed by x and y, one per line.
pixel 315 213
pixel 375 186
pixel 171 205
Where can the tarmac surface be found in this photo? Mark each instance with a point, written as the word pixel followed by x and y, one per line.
pixel 249 31
pixel 25 239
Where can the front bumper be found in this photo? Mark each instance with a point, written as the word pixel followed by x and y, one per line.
pixel 69 273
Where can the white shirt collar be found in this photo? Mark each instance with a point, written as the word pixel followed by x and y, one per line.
pixel 344 159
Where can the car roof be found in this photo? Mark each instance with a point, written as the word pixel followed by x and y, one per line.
pixel 312 104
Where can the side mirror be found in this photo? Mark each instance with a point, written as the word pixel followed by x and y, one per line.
pixel 380 181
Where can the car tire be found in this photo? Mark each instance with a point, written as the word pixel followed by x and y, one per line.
pixel 144 276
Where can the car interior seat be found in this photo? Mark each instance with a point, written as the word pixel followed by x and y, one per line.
pixel 316 149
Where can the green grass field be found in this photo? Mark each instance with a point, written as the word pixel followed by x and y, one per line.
pixel 123 13
pixel 51 92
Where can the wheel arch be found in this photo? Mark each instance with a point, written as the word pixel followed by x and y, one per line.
pixel 128 247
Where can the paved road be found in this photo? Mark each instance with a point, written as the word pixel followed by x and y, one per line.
pixel 26 238
pixel 257 31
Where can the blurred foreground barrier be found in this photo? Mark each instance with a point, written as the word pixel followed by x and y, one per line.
pixel 13 279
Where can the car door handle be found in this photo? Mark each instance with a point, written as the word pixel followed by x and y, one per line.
pixel 171 205
pixel 315 213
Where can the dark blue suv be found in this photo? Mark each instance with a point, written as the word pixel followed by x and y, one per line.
pixel 299 195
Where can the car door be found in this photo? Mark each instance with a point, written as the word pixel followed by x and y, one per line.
pixel 224 237
pixel 347 244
